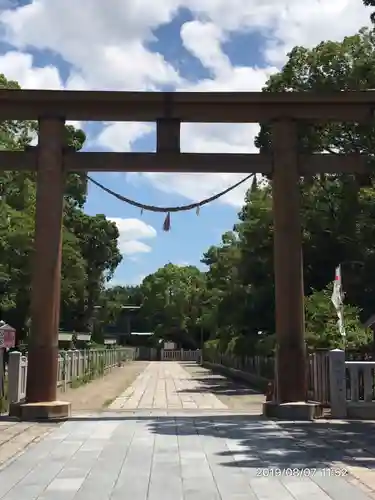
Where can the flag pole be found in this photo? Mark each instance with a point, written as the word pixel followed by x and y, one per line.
pixel 338 301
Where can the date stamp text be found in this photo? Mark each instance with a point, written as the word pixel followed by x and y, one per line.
pixel 303 472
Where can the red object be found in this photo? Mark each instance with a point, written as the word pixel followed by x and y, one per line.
pixel 7 337
pixel 270 391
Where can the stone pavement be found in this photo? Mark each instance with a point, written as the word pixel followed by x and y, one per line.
pixel 192 454
pixel 16 436
pixel 187 457
pixel 166 385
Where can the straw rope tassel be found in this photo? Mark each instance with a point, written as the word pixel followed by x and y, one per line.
pixel 167 222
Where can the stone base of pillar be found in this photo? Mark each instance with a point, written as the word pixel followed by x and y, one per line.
pixel 300 410
pixel 15 410
pixel 53 411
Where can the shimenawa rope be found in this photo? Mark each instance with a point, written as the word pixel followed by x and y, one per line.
pixel 168 210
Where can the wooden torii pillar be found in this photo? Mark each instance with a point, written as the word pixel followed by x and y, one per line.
pixel 52 161
pixel 46 275
pixel 291 366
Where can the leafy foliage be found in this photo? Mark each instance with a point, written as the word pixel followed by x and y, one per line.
pixel 370 3
pixel 321 317
pixel 172 301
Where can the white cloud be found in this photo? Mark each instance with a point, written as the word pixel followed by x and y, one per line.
pixel 209 53
pixel 19 66
pixel 131 232
pixel 121 136
pixel 182 264
pixel 198 187
pixel 106 48
pixel 104 44
pixel 308 23
pixel 133 246
pixel 137 280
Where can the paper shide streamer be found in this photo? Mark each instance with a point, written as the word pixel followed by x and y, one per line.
pixel 169 210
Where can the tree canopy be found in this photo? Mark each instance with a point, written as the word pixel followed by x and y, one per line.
pixel 370 3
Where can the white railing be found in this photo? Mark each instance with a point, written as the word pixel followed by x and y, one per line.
pixel 191 355
pixel 351 387
pixel 73 367
pixel 17 377
pixel 170 355
pixel 180 355
pixel 360 381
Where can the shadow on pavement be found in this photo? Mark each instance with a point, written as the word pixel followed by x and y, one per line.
pixel 220 386
pixel 7 418
pixel 250 441
pixel 207 381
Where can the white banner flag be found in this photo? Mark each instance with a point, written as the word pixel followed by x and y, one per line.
pixel 338 300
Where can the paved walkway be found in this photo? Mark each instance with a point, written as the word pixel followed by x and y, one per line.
pixel 166 385
pixel 16 436
pixel 159 452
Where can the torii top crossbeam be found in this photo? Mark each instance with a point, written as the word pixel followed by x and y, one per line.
pixel 218 107
pixel 169 110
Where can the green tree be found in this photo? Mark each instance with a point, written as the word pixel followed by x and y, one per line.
pixel 113 315
pixel 97 238
pixel 172 303
pixel 335 235
pixel 370 3
pixel 321 317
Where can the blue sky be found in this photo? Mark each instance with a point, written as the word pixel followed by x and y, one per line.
pixel 164 45
pixel 190 234
pixel 189 237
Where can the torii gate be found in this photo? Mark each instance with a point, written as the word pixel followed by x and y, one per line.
pixel 51 159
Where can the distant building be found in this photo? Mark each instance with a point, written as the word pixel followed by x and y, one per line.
pixel 121 331
pixel 170 346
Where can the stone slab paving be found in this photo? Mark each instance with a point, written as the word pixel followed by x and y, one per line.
pixel 166 385
pixel 120 456
pixel 237 396
pixel 16 436
pixel 174 440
